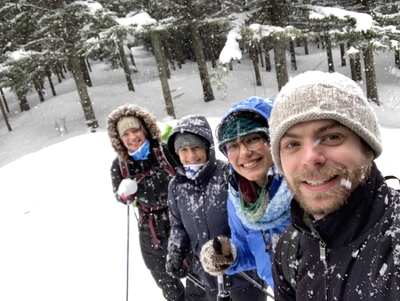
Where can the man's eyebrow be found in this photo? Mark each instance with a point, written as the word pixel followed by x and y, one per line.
pixel 317 131
pixel 326 127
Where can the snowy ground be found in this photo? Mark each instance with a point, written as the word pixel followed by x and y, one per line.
pixel 63 236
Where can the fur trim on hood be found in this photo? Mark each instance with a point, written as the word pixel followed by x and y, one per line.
pixel 126 110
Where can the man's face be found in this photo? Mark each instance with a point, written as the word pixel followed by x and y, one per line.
pixel 323 162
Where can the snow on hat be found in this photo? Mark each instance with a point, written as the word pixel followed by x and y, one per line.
pixel 129 122
pixel 186 139
pixel 316 95
pixel 239 124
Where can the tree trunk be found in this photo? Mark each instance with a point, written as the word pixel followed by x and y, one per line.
pixel 353 69
pixel 125 66
pixel 5 117
pixel 342 54
pixel 260 53
pixel 209 46
pixel 167 51
pixel 55 71
pixel 253 56
pixel 162 73
pixel 201 62
pixel 305 41
pixel 39 90
pixel 268 65
pixel 83 92
pixel 48 74
pixel 88 65
pixel 293 62
pixel 60 70
pixel 358 67
pixel 178 49
pixel 352 61
pixel 4 99
pixel 397 58
pixel 331 66
pixel 23 102
pixel 370 75
pixel 85 72
pixel 133 61
pixel 280 63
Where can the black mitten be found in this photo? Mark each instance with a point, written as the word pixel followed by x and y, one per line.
pixel 175 265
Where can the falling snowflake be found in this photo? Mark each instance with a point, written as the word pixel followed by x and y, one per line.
pixel 383 269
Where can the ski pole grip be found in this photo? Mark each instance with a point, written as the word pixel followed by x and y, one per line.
pixel 217 245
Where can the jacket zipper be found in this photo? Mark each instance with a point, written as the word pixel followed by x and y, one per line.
pixel 322 253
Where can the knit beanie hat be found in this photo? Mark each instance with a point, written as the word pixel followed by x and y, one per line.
pixel 316 95
pixel 186 139
pixel 129 122
pixel 239 124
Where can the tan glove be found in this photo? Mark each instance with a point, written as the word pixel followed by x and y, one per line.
pixel 217 255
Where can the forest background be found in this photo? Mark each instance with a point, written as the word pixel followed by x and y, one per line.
pixel 63 235
pixel 45 38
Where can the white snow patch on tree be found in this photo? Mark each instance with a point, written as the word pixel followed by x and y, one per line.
pixel 231 50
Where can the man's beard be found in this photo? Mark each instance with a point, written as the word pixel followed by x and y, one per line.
pixel 322 203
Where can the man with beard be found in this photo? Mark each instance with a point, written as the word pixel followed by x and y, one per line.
pixel 344 240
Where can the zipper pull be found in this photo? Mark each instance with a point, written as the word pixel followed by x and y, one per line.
pixel 322 251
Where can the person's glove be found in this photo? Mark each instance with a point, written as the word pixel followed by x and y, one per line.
pixel 174 264
pixel 126 188
pixel 217 255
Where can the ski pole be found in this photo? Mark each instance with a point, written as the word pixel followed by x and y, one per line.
pixel 195 281
pixel 222 294
pixel 128 203
pixel 256 284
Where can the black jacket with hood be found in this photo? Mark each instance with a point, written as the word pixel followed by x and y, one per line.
pixel 361 246
pixel 198 208
pixel 153 188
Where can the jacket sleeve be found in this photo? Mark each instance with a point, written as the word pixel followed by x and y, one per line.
pixel 245 259
pixel 116 178
pixel 178 235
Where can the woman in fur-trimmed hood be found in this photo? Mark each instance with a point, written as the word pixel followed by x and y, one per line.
pixel 141 173
pixel 128 110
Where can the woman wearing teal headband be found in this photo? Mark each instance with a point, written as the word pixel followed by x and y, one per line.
pixel 259 198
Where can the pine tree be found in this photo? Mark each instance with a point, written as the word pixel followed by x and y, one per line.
pixel 56 27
